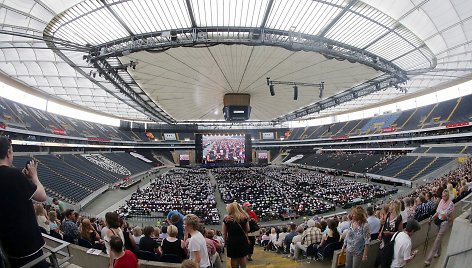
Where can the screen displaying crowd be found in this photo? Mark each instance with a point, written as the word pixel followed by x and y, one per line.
pixel 223 148
pixel 188 191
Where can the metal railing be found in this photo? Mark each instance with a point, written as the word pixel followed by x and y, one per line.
pixel 455 254
pixel 58 256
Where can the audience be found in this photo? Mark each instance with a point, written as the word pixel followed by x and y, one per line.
pixel 188 191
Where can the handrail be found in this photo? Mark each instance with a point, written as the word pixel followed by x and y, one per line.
pixel 455 254
pixel 52 254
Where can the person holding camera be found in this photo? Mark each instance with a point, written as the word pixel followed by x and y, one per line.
pixel 19 232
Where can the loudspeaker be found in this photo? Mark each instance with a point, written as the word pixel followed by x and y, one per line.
pixel 248 149
pixel 272 91
pixel 295 92
pixel 198 149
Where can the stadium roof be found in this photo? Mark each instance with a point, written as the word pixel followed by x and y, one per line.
pixel 173 60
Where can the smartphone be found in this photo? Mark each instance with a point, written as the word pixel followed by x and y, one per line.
pixel 27 162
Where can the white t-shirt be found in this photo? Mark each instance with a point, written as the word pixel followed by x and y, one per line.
pixel 197 243
pixel 402 249
pixel 404 214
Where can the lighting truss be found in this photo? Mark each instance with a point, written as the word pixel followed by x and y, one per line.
pixel 366 88
pixel 295 86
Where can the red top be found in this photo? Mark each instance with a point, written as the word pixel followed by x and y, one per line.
pixel 253 215
pixel 128 260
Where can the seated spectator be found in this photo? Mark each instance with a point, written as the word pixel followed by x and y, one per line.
pixel 312 235
pixel 280 240
pixel 137 234
pixel 289 237
pixel 332 236
pixel 296 239
pixel 171 245
pixel 88 233
pixel 42 218
pixel 54 223
pixel 69 227
pixel 120 258
pixel 163 233
pixel 147 243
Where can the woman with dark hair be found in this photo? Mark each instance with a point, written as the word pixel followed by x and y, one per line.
pixel 129 242
pixel 357 240
pixel 441 218
pixel 147 243
pixel 235 229
pixel 113 224
pixel 331 236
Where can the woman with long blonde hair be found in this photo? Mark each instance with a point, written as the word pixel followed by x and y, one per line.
pixel 235 229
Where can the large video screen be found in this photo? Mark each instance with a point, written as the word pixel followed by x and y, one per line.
pixel 229 149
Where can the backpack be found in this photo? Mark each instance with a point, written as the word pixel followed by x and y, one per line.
pixel 386 253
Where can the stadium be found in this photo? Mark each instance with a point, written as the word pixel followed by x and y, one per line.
pixel 329 123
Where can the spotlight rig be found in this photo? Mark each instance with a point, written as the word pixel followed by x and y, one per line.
pixel 295 85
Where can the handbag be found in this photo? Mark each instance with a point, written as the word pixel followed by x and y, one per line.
pixel 341 260
pixel 253 226
pixel 438 221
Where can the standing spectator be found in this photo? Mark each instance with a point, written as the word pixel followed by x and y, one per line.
pixel 402 253
pixel 17 189
pixel 235 228
pixel 120 258
pixel 196 244
pixel 176 218
pixel 113 223
pixel 442 218
pixel 392 222
pixel 252 236
pixel 357 239
pixel 58 206
pixel 374 223
pixel 69 227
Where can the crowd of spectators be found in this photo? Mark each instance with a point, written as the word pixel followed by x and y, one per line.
pixel 337 190
pixel 271 198
pixel 185 190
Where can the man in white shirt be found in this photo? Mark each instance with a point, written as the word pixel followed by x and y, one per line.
pixel 374 223
pixel 402 248
pixel 196 244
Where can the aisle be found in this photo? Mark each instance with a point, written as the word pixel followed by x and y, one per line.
pixel 220 205
pixel 263 259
